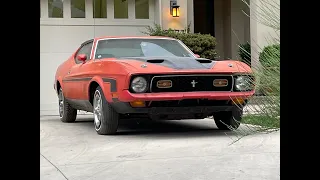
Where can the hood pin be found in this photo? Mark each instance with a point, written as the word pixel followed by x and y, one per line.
pixel 230 65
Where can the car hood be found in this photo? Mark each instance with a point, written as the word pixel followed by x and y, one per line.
pixel 181 64
pixel 177 63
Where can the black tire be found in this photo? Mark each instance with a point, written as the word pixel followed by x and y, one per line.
pixel 68 114
pixel 109 118
pixel 228 120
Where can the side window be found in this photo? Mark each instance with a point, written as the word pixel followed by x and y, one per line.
pixel 85 49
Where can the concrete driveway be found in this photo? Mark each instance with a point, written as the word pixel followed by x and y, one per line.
pixel 177 150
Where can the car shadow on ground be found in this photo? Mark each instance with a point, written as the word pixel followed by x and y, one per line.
pixel 177 128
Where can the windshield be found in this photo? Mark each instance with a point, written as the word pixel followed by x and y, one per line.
pixel 140 48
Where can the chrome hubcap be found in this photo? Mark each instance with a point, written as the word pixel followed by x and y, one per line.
pixel 61 104
pixel 97 110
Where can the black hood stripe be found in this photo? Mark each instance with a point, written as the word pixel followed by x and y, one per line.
pixel 178 63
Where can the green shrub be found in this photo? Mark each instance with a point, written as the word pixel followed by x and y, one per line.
pixel 270 77
pixel 270 56
pixel 201 44
pixel 245 53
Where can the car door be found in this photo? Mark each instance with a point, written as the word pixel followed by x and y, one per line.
pixel 78 77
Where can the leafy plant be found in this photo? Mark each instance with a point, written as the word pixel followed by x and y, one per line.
pixel 201 44
pixel 245 53
pixel 270 62
pixel 270 56
pixel 262 113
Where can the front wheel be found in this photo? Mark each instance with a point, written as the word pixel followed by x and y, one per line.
pixel 66 112
pixel 228 120
pixel 105 117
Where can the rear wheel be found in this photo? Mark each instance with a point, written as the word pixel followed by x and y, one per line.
pixel 105 117
pixel 228 120
pixel 66 112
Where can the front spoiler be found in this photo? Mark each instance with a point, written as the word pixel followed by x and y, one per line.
pixel 125 108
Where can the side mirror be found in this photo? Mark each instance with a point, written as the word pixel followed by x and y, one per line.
pixel 197 55
pixel 82 57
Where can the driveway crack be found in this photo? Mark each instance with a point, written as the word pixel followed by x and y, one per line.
pixel 55 166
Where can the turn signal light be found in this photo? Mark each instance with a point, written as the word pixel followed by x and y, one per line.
pixel 138 103
pixel 220 82
pixel 238 101
pixel 164 84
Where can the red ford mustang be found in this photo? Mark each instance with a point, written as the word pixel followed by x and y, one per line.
pixel 151 77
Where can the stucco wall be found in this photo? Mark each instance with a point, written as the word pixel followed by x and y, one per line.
pixel 219 21
pixel 190 16
pixel 232 27
pixel 240 23
pixel 261 35
pixel 178 23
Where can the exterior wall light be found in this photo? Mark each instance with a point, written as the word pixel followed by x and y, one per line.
pixel 174 8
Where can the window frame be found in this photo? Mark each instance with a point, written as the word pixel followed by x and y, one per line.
pixel 93 10
pixel 90 21
pixel 47 9
pixel 179 41
pixel 85 9
pixel 135 11
pixel 128 10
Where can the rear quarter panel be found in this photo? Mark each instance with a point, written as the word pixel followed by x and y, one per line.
pixel 63 69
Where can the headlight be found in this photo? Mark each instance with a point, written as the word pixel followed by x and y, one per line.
pixel 139 85
pixel 243 83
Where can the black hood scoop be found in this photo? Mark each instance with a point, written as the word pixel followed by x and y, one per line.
pixel 178 62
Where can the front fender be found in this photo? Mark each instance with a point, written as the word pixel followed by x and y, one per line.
pixel 107 85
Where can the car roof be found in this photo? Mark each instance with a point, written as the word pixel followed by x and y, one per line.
pixel 129 37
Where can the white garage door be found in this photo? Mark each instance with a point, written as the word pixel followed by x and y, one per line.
pixel 65 24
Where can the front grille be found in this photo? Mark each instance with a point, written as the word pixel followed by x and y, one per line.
pixel 184 83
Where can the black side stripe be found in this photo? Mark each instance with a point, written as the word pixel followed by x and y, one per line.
pixel 112 82
pixel 77 79
pixel 115 99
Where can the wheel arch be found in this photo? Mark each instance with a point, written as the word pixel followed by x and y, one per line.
pixel 58 85
pixel 94 83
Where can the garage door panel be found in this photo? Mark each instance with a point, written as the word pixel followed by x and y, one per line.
pixel 57 43
pixel 48 64
pixel 63 38
pixel 119 31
